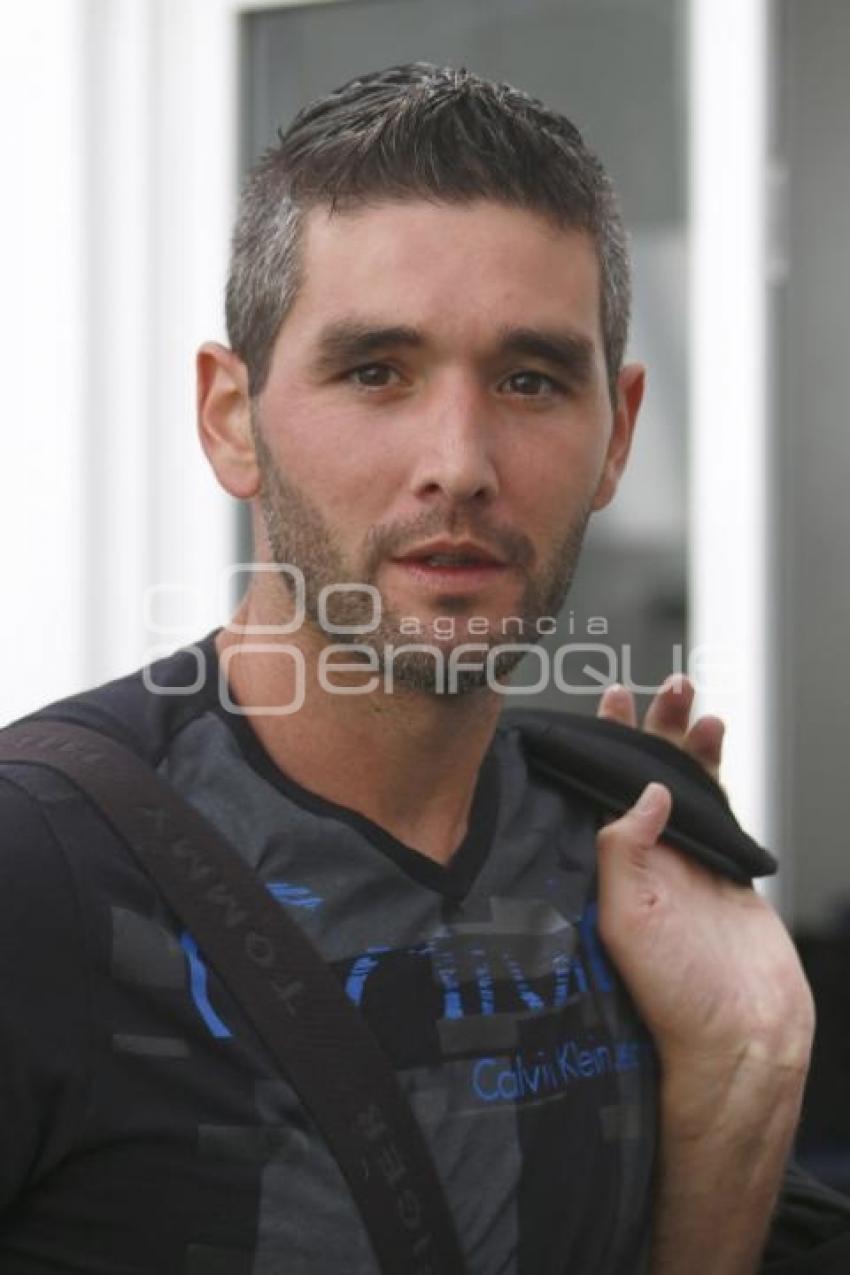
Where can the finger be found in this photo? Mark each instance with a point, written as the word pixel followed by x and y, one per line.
pixel 629 891
pixel 617 704
pixel 704 742
pixel 626 842
pixel 670 710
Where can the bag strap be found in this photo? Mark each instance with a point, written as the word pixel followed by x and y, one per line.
pixel 611 764
pixel 291 996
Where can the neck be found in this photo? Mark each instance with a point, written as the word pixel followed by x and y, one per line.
pixel 408 759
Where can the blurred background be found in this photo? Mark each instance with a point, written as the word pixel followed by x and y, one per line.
pixel 726 126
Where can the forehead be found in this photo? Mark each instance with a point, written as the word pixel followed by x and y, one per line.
pixel 458 271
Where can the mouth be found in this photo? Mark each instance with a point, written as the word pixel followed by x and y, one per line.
pixel 459 568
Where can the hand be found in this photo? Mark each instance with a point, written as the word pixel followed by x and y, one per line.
pixel 717 980
pixel 668 717
pixel 708 962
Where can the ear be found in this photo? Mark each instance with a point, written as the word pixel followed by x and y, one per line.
pixel 224 419
pixel 630 386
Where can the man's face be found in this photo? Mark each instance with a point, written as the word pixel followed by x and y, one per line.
pixel 439 378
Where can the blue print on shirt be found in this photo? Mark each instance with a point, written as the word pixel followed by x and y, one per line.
pixel 476 978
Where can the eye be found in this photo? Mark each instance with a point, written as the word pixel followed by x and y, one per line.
pixel 373 376
pixel 530 384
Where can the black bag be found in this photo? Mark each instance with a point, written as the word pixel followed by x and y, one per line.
pixel 282 983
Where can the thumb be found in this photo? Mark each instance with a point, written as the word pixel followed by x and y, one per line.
pixel 633 835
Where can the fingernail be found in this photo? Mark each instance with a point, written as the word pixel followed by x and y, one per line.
pixel 650 801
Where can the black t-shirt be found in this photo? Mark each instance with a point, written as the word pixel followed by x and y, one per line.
pixel 144 1127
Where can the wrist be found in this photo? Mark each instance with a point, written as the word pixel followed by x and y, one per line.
pixel 722 1098
pixel 723 1146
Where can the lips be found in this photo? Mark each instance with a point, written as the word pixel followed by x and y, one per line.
pixel 448 554
pixel 443 570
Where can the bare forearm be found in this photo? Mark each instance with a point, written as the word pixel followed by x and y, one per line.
pixel 723 1148
pixel 718 982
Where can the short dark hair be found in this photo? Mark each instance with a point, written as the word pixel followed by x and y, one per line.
pixel 416 131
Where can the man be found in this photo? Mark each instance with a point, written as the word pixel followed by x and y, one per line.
pixel 424 402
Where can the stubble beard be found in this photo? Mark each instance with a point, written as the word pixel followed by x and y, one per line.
pixel 298 535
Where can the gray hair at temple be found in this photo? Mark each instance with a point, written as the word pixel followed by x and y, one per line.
pixel 416 132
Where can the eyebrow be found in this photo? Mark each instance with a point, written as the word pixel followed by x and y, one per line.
pixel 347 342
pixel 571 352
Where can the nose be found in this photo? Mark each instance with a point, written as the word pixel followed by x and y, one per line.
pixel 455 448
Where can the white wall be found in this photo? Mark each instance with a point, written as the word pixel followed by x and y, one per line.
pixel 44 517
pixel 120 172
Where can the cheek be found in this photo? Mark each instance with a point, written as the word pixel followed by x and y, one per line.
pixel 346 473
pixel 560 478
pixel 309 443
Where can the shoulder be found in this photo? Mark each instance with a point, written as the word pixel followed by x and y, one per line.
pixel 145 709
pixel 42 900
pixel 49 831
pixel 27 841
pixel 43 921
